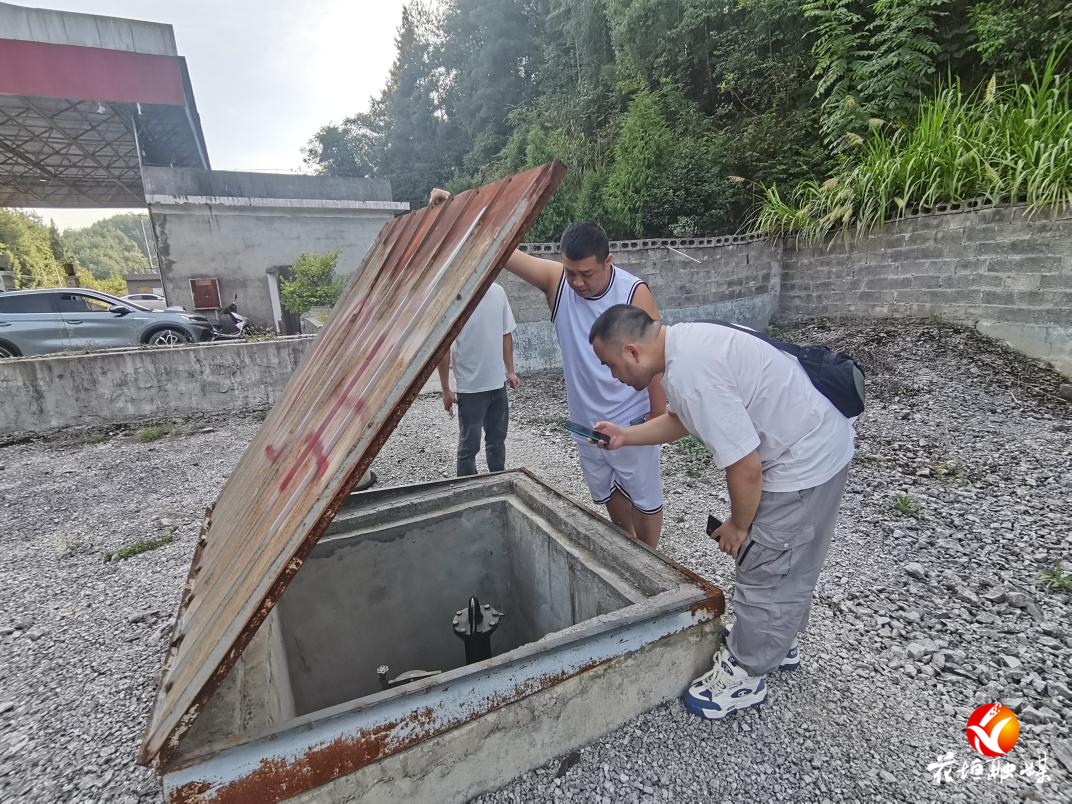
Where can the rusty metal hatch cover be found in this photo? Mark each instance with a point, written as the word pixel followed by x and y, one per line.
pixel 420 280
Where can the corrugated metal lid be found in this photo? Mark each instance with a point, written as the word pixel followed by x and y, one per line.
pixel 417 285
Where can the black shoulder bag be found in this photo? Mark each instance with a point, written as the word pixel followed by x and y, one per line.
pixel 834 374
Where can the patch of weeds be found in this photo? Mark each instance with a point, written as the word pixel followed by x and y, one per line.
pixel 1057 578
pixel 948 470
pixel 832 604
pixel 774 331
pixel 260 414
pixel 697 457
pixel 143 546
pixel 904 504
pixel 83 439
pixel 69 544
pixel 153 432
pixel 258 337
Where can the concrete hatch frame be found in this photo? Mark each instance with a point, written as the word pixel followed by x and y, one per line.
pixel 493 719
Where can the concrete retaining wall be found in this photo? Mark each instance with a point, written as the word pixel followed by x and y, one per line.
pixel 999 269
pixel 1006 273
pixel 136 385
pixel 734 278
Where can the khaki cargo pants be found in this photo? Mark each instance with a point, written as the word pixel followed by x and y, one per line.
pixel 777 568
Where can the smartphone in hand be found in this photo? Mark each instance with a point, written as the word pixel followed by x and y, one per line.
pixel 713 524
pixel 585 432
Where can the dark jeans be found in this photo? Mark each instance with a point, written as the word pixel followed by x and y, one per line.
pixel 487 410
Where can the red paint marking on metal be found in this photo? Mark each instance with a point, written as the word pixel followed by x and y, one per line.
pixel 45 70
pixel 259 536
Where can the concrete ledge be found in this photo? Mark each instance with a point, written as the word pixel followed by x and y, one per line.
pixel 480 755
pixel 273 203
pixel 132 385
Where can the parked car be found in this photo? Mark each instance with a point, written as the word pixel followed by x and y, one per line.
pixel 36 322
pixel 151 300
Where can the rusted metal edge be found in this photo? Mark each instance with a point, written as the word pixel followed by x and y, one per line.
pixel 556 173
pixel 315 754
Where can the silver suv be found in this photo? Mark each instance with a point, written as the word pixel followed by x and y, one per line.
pixel 36 322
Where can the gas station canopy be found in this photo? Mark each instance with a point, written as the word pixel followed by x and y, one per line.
pixel 85 101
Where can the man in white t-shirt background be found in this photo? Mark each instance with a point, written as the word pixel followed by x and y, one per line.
pixel 483 358
pixel 786 451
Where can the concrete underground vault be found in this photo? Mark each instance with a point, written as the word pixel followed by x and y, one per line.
pixel 596 629
pixel 339 646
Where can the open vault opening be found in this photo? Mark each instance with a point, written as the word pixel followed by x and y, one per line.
pixel 383 586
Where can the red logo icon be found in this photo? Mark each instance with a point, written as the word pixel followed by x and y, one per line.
pixel 993 730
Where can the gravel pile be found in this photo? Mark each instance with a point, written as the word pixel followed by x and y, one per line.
pixel 930 603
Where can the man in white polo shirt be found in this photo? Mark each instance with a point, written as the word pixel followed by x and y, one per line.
pixel 786 450
pixel 483 357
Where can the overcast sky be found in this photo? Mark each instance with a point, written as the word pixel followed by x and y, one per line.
pixel 266 73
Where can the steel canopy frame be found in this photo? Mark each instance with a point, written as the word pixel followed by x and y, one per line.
pixel 78 123
pixel 66 153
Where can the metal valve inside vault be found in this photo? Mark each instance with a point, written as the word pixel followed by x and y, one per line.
pixel 474 626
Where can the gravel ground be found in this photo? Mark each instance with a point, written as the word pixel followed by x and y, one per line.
pixel 920 615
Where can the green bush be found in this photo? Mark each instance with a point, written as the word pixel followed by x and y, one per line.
pixel 314 283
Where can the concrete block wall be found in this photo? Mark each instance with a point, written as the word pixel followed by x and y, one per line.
pixel 1000 269
pixel 734 277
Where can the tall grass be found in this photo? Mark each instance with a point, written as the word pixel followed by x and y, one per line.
pixel 997 143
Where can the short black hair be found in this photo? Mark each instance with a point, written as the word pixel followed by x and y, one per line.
pixel 622 322
pixel 584 240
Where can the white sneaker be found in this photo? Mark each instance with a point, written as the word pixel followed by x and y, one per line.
pixel 724 689
pixel 792 656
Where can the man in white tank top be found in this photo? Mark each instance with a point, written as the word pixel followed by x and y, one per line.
pixel 578 289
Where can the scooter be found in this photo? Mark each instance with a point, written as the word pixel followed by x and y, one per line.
pixel 231 323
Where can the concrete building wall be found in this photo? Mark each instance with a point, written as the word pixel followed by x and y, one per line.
pixel 236 226
pixel 1000 269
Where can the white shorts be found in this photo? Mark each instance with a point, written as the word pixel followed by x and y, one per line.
pixel 633 471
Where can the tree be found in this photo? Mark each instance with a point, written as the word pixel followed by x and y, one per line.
pixel 26 242
pixel 353 149
pixel 654 104
pixel 1012 35
pixel 314 283
pixel 839 42
pixel 137 228
pixel 899 68
pixel 489 54
pixel 641 152
pixel 103 250
pixel 55 243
